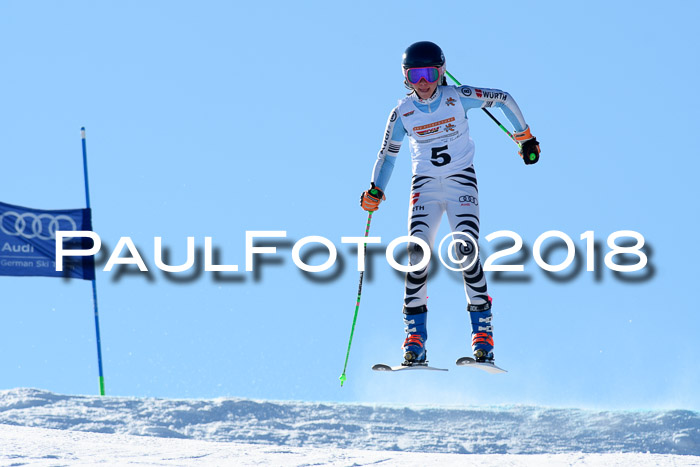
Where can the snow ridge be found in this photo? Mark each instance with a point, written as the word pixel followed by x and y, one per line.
pixel 492 430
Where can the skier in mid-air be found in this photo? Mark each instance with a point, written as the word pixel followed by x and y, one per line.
pixel 433 116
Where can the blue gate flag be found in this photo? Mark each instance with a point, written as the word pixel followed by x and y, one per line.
pixel 28 242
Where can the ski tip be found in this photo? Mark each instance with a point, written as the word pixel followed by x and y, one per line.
pixel 464 361
pixel 381 367
pixel 488 367
pixel 384 367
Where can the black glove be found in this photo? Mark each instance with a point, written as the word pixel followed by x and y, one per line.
pixel 530 151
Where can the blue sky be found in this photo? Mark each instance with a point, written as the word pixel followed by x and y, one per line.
pixel 213 119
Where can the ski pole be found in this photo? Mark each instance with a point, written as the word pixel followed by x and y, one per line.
pixel 532 156
pixel 357 306
pixel 485 110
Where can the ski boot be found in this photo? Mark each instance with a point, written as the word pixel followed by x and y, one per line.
pixel 415 319
pixel 482 331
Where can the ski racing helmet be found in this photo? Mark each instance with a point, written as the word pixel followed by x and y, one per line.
pixel 423 54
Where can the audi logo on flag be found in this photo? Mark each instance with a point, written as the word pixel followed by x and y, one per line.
pixel 30 225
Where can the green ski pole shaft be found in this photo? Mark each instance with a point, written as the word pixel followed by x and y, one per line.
pixel 501 126
pixel 487 112
pixel 357 306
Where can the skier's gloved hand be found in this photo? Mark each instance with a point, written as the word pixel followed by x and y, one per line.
pixel 370 199
pixel 530 151
pixel 529 147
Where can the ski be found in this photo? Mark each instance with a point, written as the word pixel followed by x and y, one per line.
pixel 385 367
pixel 487 367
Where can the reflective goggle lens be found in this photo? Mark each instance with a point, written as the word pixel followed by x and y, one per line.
pixel 414 75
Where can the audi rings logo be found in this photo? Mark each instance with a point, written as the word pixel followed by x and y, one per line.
pixel 30 225
pixel 468 199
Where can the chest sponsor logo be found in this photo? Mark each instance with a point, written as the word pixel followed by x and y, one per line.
pixel 407 114
pixel 432 128
pixel 429 131
pixel 450 101
pixel 449 127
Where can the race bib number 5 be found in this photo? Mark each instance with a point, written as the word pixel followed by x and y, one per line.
pixel 440 156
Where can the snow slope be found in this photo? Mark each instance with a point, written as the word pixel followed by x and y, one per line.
pixel 44 447
pixel 48 429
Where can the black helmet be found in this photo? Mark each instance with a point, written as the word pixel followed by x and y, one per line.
pixel 423 54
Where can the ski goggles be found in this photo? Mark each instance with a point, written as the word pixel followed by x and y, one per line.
pixel 430 74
